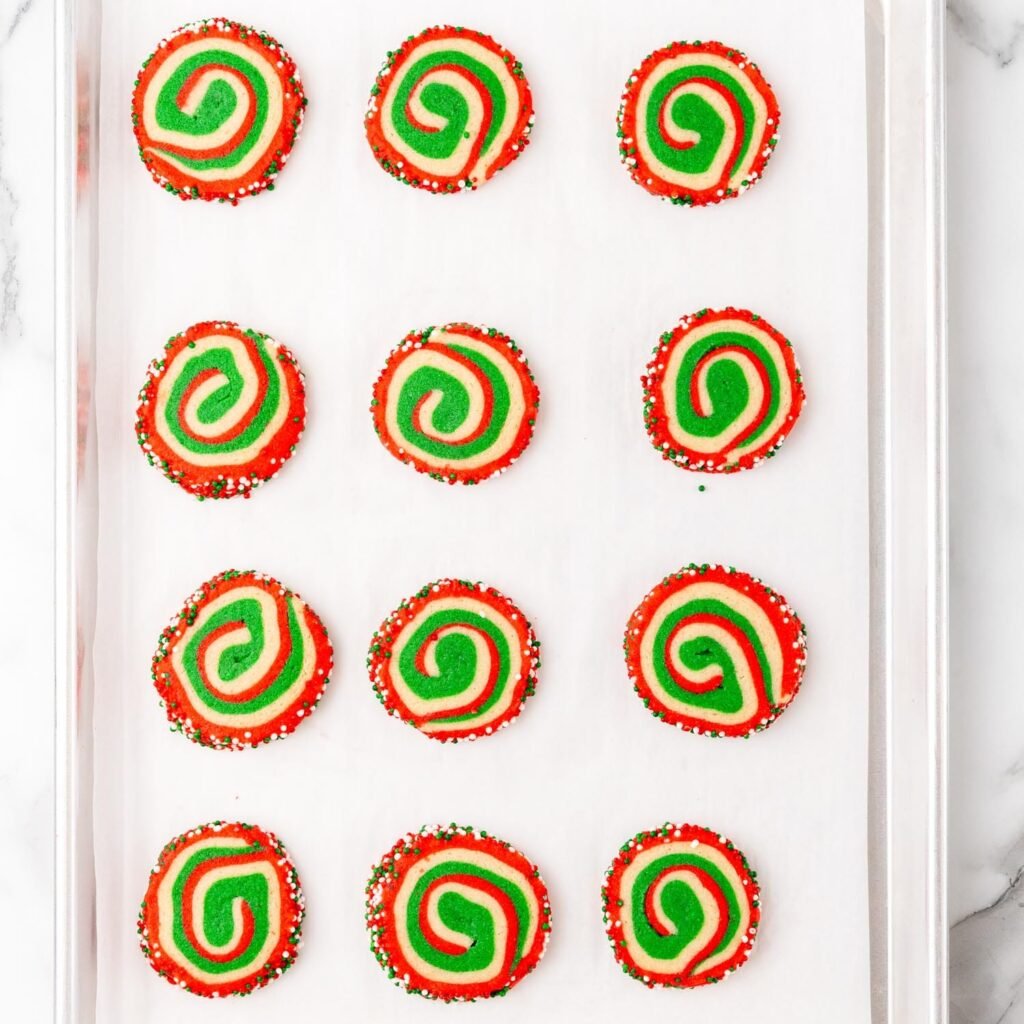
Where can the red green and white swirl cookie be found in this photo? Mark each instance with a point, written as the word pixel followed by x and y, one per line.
pixel 722 391
pixel 457 661
pixel 450 108
pixel 457 915
pixel 222 411
pixel 697 124
pixel 217 108
pixel 223 910
pixel 456 402
pixel 244 662
pixel 712 650
pixel 681 907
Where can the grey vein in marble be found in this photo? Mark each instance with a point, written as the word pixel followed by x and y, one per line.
pixel 986 950
pixel 16 20
pixel 975 29
pixel 986 956
pixel 10 286
pixel 987 961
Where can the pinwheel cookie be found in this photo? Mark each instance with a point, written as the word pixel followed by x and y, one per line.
pixel 697 123
pixel 222 410
pixel 681 907
pixel 450 108
pixel 222 914
pixel 457 915
pixel 722 391
pixel 456 402
pixel 244 662
pixel 217 108
pixel 457 661
pixel 714 651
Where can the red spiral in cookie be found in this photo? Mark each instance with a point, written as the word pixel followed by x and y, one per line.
pixel 217 108
pixel 714 651
pixel 458 402
pixel 722 391
pixel 450 108
pixel 222 410
pixel 244 662
pixel 681 907
pixel 457 661
pixel 697 124
pixel 455 914
pixel 222 914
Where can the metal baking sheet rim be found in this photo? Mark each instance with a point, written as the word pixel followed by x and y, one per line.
pixel 906 844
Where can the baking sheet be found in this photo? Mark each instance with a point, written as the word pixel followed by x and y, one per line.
pixel 585 270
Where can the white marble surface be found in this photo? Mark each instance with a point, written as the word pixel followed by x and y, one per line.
pixel 26 519
pixel 986 263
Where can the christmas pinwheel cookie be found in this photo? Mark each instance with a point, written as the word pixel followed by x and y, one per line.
pixel 222 410
pixel 456 915
pixel 711 650
pixel 722 391
pixel 456 402
pixel 217 108
pixel 244 662
pixel 681 907
pixel 222 914
pixel 697 123
pixel 457 661
pixel 450 108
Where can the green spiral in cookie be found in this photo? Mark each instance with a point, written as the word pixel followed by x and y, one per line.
pixel 248 887
pixel 458 402
pixel 440 433
pixel 447 101
pixel 223 910
pixel 244 662
pixel 457 915
pixel 222 410
pixel 722 391
pixel 216 110
pixel 714 650
pixel 457 660
pixel 681 907
pixel 238 84
pixel 450 108
pixel 697 124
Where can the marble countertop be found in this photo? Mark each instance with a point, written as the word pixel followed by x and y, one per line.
pixel 985 76
pixel 986 264
pixel 26 537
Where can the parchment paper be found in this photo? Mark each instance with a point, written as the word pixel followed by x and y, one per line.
pixel 585 270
